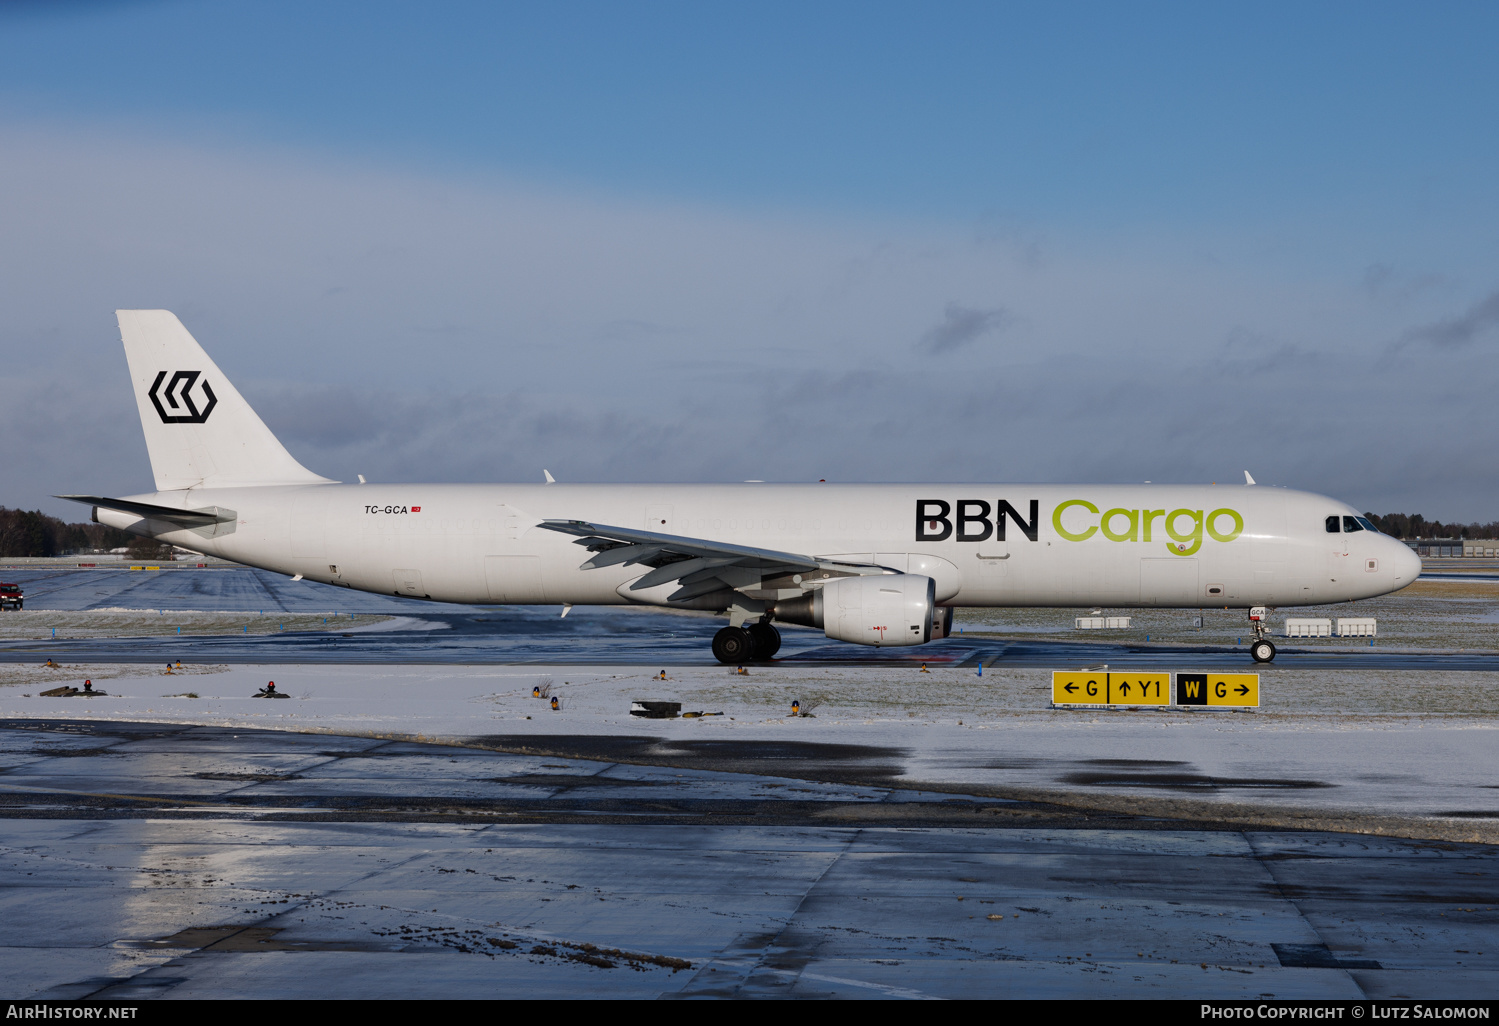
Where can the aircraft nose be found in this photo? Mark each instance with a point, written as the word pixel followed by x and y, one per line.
pixel 1404 563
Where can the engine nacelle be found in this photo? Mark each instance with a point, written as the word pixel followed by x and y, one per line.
pixel 880 610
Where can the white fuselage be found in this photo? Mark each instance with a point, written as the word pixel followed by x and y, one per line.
pixel 1093 545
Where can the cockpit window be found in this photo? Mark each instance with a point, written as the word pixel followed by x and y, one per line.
pixel 1368 524
pixel 1332 525
pixel 1351 524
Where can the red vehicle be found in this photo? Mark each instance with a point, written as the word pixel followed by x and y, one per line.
pixel 10 596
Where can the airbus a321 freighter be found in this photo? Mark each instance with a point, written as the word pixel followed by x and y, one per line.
pixel 871 564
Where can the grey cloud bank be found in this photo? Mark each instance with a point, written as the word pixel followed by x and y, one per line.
pixel 409 327
pixel 960 326
pixel 1455 332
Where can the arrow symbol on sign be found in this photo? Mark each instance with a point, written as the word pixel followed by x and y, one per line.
pixel 1124 689
pixel 1070 688
pixel 1242 689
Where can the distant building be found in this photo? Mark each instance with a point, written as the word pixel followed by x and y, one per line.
pixel 1454 548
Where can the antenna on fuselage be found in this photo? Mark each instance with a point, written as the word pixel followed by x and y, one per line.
pixel 548 475
pixel 1247 479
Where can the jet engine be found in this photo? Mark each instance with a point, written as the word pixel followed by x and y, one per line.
pixel 883 609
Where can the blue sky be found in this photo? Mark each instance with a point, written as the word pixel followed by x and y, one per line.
pixel 1078 113
pixel 706 242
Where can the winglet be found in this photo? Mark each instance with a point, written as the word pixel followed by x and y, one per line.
pixel 1247 479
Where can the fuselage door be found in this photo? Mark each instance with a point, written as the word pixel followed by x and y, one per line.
pixel 1337 561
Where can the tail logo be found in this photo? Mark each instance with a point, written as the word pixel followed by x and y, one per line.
pixel 178 396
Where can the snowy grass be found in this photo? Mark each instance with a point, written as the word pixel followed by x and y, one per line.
pixel 1430 614
pixel 28 624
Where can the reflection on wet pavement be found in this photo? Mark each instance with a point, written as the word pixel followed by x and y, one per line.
pixel 144 860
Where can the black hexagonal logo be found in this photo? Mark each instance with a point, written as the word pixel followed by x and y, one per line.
pixel 178 396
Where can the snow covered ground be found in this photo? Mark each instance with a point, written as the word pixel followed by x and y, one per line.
pixel 1337 749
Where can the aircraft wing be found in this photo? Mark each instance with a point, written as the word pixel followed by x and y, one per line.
pixel 700 566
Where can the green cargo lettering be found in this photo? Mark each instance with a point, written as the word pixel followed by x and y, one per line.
pixel 1056 520
pixel 1194 536
pixel 1213 519
pixel 1151 514
pixel 1132 515
pixel 1137 525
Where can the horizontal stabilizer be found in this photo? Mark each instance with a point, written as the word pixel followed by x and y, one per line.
pixel 186 517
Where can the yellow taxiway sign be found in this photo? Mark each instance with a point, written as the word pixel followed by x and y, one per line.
pixel 1087 687
pixel 1237 689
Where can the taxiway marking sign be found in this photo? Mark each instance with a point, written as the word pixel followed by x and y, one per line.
pixel 1088 687
pixel 1140 688
pixel 1231 689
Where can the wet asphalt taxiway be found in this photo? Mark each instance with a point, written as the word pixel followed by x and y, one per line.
pixel 147 860
pixel 144 859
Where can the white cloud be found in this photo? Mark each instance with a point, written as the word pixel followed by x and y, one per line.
pixel 410 326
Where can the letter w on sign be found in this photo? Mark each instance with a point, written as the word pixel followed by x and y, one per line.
pixel 1235 690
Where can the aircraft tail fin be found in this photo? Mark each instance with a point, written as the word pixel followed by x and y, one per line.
pixel 200 432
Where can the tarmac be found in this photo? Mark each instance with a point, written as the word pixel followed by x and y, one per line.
pixel 436 632
pixel 149 861
pixel 412 823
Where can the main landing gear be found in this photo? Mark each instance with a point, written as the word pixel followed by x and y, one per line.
pixel 1262 648
pixel 746 644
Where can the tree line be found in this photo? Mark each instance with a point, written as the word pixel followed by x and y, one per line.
pixel 33 533
pixel 1414 525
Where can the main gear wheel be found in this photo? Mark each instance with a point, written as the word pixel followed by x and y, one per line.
pixel 766 640
pixel 733 645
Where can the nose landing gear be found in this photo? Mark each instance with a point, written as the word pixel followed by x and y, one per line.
pixel 1262 649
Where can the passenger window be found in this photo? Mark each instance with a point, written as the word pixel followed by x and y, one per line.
pixel 1332 525
pixel 1351 524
